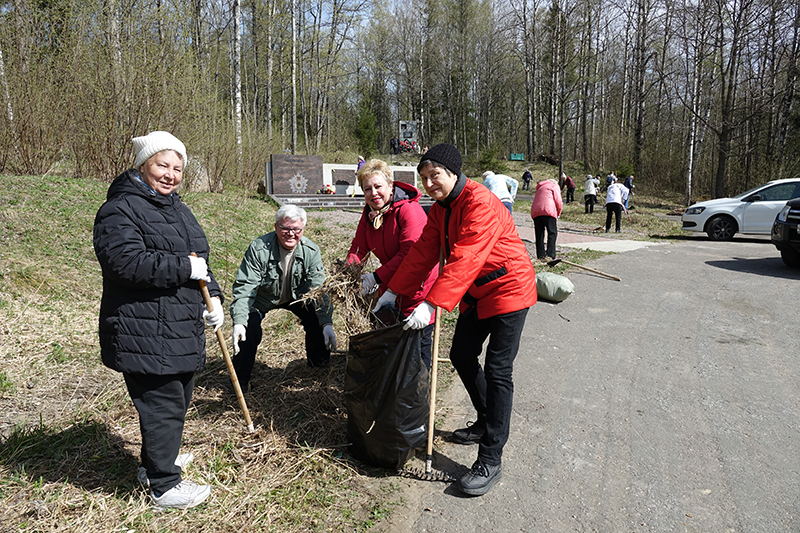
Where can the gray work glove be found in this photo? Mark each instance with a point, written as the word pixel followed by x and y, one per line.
pixel 239 335
pixel 388 298
pixel 368 284
pixel 330 337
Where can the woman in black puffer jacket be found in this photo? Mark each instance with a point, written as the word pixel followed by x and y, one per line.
pixel 152 311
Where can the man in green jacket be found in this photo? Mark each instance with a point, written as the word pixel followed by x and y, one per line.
pixel 277 269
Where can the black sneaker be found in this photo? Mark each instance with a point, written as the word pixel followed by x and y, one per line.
pixel 471 434
pixel 480 478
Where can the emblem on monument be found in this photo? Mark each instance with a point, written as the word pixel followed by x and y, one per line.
pixel 298 183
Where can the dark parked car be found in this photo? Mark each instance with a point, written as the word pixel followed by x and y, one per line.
pixel 785 235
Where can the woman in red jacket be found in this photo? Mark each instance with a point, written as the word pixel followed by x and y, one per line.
pixel 392 221
pixel 488 273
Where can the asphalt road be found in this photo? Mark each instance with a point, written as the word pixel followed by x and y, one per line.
pixel 669 401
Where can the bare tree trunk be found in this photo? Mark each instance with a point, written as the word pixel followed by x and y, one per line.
pixel 640 64
pixel 421 129
pixel 160 23
pixel 271 9
pixel 23 42
pixel 255 40
pixel 6 94
pixel 532 74
pixel 694 99
pixel 789 91
pixel 729 78
pixel 624 99
pixel 586 54
pixel 555 51
pixel 112 19
pixel 237 82
pixel 294 77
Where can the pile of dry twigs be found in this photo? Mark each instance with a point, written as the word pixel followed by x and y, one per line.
pixel 343 287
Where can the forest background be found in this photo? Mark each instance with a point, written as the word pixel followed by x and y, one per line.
pixel 695 96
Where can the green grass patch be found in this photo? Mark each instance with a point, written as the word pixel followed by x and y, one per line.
pixel 6 385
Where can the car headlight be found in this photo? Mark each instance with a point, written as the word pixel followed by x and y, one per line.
pixel 783 214
pixel 694 210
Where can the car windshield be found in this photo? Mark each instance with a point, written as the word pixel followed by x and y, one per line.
pixel 777 192
pixel 748 193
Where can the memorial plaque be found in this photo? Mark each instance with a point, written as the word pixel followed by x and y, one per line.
pixel 296 174
pixel 406 176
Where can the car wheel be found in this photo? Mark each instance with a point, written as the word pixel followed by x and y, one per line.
pixel 791 257
pixel 721 228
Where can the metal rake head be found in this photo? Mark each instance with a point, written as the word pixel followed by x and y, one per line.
pixel 421 474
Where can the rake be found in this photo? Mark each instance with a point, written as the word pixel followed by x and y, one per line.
pixel 225 355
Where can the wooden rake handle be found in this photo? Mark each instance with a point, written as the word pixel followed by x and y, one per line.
pixel 434 371
pixel 228 361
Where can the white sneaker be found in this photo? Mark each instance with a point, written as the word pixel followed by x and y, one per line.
pixel 183 460
pixel 184 495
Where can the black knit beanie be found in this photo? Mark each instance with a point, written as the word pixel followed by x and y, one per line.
pixel 445 154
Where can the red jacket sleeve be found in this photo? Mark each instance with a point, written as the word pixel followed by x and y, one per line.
pixel 359 247
pixel 420 259
pixel 411 219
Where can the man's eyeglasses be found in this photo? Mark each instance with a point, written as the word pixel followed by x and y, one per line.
pixel 287 230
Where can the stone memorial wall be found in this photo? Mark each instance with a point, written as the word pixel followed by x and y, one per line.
pixel 296 174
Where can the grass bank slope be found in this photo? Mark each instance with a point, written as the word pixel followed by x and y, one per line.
pixel 69 436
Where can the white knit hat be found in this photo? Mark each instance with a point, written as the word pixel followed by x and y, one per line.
pixel 156 141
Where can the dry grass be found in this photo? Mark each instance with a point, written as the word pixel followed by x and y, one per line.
pixel 70 436
pixel 343 287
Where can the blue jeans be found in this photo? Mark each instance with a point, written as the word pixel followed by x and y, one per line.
pixel 509 205
pixel 490 388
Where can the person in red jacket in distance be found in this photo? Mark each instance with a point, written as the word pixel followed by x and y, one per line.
pixel 488 273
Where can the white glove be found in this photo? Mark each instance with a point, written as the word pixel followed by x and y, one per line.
pixel 419 317
pixel 388 298
pixel 199 269
pixel 330 337
pixel 216 316
pixel 239 335
pixel 368 284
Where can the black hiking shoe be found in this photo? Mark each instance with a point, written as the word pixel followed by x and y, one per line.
pixel 480 478
pixel 471 434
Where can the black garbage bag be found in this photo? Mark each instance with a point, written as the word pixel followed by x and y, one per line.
pixel 386 395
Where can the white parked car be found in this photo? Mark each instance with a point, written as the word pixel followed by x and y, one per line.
pixel 752 212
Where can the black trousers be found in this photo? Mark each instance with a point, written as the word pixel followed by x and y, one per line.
pixel 316 352
pixel 614 209
pixel 426 341
pixel 589 200
pixel 161 402
pixel 550 225
pixel 491 387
